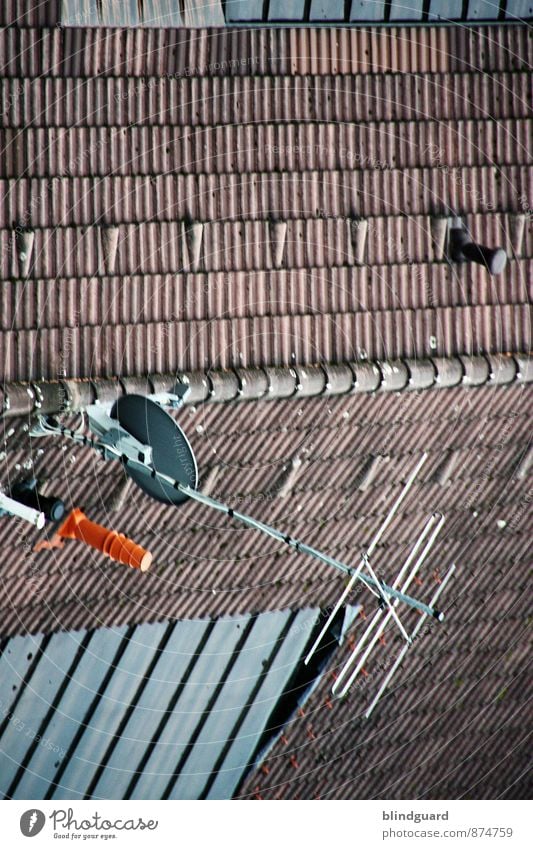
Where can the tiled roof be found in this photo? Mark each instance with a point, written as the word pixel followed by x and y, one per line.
pixel 243 451
pixel 451 726
pixel 244 132
pixel 115 143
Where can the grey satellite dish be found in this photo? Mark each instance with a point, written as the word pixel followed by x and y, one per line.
pixel 172 455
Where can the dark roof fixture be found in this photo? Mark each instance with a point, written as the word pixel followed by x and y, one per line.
pixel 27 492
pixel 463 249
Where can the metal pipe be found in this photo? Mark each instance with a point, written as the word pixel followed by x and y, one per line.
pixel 16 508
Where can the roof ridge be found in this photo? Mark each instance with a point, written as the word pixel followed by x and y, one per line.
pixel 274 382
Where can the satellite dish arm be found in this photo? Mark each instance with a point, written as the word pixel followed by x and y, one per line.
pixel 381 587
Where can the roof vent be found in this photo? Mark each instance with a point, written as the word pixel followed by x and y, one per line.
pixel 369 471
pixel 444 471
pixel 516 225
pixel 109 246
pixel 439 229
pixel 359 232
pixel 194 232
pixel 288 478
pixel 24 241
pixel 526 461
pixel 278 235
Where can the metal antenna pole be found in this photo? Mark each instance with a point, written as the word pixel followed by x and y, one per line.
pixel 388 519
pixel 301 546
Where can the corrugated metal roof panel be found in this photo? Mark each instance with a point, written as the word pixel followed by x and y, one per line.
pixel 101 709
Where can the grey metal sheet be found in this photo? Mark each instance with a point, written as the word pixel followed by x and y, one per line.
pixel 327 10
pixel 365 10
pixel 274 684
pixel 70 711
pixel 406 10
pixel 244 10
pixel 144 720
pixel 522 9
pixel 233 698
pixel 119 703
pixel 14 663
pixel 114 702
pixel 34 703
pixel 189 708
pixel 483 10
pixel 445 10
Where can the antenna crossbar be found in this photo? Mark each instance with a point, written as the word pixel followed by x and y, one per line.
pixel 388 519
pixel 381 618
pixel 405 648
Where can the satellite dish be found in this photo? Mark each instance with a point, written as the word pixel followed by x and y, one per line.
pixel 172 455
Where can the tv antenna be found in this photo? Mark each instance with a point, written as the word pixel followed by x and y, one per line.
pixel 155 453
